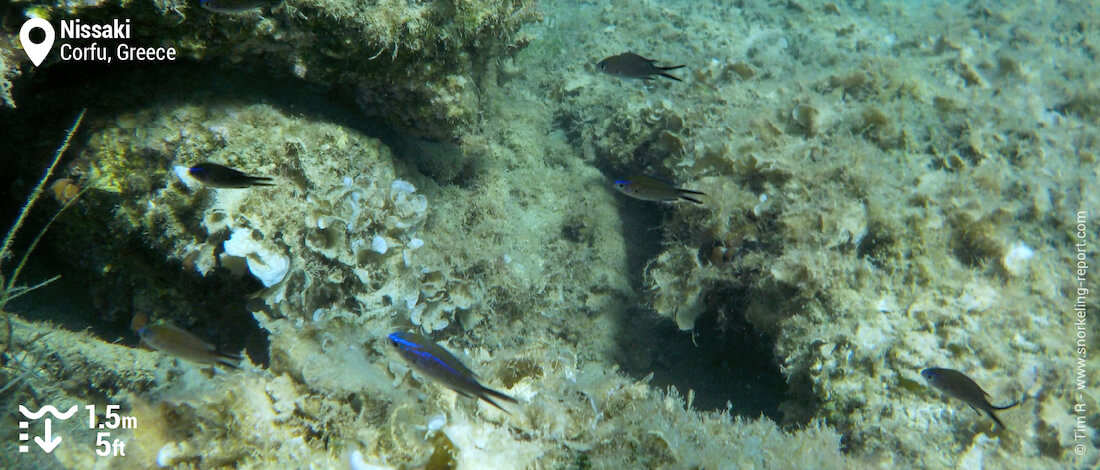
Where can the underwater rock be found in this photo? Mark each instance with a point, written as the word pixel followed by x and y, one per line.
pixel 410 62
pixel 9 71
pixel 677 287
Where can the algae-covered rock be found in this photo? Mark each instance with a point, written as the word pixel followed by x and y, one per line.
pixel 415 65
pixel 304 259
pixel 886 189
pixel 9 71
pixel 868 190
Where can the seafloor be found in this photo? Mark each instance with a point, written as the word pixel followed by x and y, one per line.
pixel 889 186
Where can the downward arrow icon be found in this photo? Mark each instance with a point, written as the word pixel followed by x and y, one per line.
pixel 47 444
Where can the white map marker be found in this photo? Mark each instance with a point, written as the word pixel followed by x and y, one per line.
pixel 36 52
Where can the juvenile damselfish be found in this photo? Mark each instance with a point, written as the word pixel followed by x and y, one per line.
pixel 957 385
pixel 631 65
pixel 431 360
pixel 220 176
pixel 231 6
pixel 178 342
pixel 648 188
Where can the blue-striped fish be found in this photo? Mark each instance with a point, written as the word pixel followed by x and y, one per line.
pixel 431 360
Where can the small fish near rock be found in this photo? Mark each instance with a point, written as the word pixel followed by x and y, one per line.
pixel 184 345
pixel 220 176
pixel 434 362
pixel 232 6
pixel 955 384
pixel 631 65
pixel 648 188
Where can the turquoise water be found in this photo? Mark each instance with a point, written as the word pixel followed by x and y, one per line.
pixel 818 201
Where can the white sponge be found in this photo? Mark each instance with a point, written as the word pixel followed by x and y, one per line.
pixel 267 264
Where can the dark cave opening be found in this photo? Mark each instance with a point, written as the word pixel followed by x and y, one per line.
pixel 81 299
pixel 723 360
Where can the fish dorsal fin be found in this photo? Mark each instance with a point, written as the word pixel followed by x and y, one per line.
pixel 656 178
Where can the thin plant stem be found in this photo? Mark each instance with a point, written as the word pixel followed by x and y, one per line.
pixel 34 243
pixel 8 290
pixel 6 247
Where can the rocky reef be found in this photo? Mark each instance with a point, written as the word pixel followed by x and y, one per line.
pixel 879 198
pixel 416 65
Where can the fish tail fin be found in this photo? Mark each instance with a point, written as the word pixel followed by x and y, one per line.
pixel 230 364
pixel 485 393
pixel 260 181
pixel 671 76
pixel 1017 402
pixel 686 194
pixel 997 420
pixel 232 361
pixel 689 198
pixel 495 405
pixel 674 67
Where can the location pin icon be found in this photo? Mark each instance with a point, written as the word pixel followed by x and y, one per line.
pixel 36 52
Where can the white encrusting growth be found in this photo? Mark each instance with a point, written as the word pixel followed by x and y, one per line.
pixel 184 174
pixel 1015 261
pixel 379 245
pixel 266 264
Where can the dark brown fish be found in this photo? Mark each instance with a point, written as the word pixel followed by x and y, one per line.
pixel 184 345
pixel 957 385
pixel 433 361
pixel 631 65
pixel 648 188
pixel 220 176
